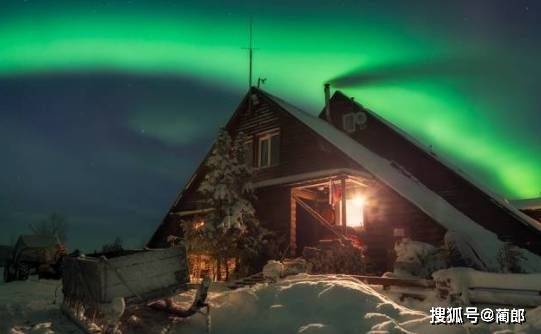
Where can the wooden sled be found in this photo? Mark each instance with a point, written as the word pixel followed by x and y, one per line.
pixel 102 290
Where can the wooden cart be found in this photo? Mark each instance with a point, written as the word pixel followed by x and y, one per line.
pixel 99 290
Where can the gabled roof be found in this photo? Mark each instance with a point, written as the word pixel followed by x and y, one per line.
pixel 400 180
pixel 501 201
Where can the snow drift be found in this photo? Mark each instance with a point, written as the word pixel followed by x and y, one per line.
pixel 310 304
pixel 32 307
pixel 306 304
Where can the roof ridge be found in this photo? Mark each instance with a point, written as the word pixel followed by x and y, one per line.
pixel 291 109
pixel 499 199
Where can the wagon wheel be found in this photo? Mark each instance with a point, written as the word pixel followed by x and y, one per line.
pixel 23 271
pixel 9 272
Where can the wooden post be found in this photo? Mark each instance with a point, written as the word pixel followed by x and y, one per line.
pixel 292 224
pixel 343 202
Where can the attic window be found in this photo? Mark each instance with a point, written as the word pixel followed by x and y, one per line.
pixel 348 122
pixel 269 149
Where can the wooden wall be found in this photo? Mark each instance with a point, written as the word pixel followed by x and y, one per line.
pixel 386 211
pixel 302 151
pixel 386 142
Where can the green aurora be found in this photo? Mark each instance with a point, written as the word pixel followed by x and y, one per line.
pixel 480 121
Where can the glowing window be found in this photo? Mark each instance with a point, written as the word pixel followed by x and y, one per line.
pixel 355 211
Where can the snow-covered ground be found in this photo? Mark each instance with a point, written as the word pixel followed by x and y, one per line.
pixel 305 304
pixel 308 304
pixel 31 307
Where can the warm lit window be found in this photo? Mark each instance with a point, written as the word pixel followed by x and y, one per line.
pixel 355 211
pixel 269 149
pixel 348 122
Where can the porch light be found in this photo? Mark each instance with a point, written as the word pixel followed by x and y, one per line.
pixel 355 211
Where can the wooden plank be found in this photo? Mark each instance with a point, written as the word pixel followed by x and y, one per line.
pixel 152 268
pixel 126 276
pixel 151 281
pixel 145 279
pixel 504 297
pixel 293 224
pixel 343 212
pixel 147 257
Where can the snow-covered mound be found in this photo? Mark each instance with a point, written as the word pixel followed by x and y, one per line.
pixel 311 304
pixel 306 304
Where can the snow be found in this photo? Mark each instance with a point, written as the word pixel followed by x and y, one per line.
pixel 465 248
pixel 307 304
pixel 273 270
pixel 486 243
pixel 27 307
pixel 412 251
pixel 295 266
pixel 415 258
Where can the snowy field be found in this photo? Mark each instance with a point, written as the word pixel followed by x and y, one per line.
pixel 27 307
pixel 305 304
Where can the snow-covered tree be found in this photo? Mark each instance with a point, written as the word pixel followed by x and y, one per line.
pixel 230 229
pixel 115 246
pixel 461 252
pixel 416 258
pixel 510 258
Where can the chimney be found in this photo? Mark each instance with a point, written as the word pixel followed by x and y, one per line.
pixel 327 89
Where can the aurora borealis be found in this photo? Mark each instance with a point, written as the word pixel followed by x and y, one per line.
pixel 108 106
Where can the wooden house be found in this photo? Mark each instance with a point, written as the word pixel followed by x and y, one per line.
pixel 350 173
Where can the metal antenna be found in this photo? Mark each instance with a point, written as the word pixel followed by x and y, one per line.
pixel 250 54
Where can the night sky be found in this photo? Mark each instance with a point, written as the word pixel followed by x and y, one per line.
pixel 107 107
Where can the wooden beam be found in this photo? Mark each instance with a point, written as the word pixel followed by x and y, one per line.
pixel 318 217
pixel 306 194
pixel 292 224
pixel 357 182
pixel 343 202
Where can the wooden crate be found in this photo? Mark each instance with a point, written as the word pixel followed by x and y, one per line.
pixel 137 276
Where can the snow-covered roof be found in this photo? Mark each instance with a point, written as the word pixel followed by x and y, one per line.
pixel 528 204
pixel 397 178
pixel 499 200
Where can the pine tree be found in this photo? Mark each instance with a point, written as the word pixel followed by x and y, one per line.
pixel 510 258
pixel 231 229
